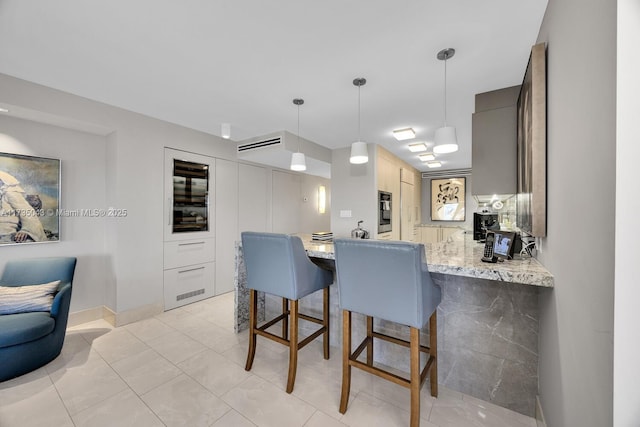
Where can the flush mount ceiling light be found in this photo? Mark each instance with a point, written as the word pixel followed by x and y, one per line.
pixel 298 162
pixel 426 157
pixel 434 164
pixel 359 154
pixel 445 138
pixel 417 147
pixel 225 130
pixel 402 134
pixel 3 110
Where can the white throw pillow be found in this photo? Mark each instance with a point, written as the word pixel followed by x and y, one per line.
pixel 21 299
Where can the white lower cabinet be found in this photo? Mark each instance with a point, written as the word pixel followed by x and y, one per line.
pixel 187 284
pixel 448 232
pixel 188 252
pixel 436 234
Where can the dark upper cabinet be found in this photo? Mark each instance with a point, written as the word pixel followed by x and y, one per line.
pixel 494 142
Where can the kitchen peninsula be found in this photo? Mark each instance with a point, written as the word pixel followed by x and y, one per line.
pixel 487 320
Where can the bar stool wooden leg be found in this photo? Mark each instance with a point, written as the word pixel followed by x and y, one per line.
pixel 370 344
pixel 346 354
pixel 285 321
pixel 325 322
pixel 253 311
pixel 433 352
pixel 415 377
pixel 293 346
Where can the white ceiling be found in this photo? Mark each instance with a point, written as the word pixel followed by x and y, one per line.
pixel 200 63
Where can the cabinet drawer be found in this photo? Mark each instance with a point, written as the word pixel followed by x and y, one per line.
pixel 185 285
pixel 188 252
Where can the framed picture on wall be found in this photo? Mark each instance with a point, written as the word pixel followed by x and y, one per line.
pixel 29 199
pixel 448 199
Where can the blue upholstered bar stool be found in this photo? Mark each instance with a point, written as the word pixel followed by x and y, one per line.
pixel 278 265
pixel 390 281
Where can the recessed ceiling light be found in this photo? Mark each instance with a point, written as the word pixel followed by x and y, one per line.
pixel 417 147
pixel 3 110
pixel 225 130
pixel 402 134
pixel 434 164
pixel 426 157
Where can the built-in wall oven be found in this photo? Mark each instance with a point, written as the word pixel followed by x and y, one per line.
pixel 384 212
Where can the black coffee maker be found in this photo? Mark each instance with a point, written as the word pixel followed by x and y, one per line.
pixel 483 222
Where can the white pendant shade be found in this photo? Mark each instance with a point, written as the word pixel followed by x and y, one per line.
pixel 446 140
pixel 359 154
pixel 298 162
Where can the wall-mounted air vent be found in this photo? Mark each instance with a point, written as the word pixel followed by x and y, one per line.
pixel 446 173
pixel 249 146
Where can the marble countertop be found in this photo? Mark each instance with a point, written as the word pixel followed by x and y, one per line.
pixel 460 256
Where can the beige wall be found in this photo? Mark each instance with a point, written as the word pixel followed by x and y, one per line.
pixel 83 183
pixel 576 324
pixel 626 399
pixel 121 167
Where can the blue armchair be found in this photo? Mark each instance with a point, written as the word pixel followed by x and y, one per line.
pixel 31 340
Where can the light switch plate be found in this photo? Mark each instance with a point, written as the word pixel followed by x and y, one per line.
pixel 345 214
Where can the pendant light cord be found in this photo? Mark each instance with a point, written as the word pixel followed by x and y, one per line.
pixel 445 91
pixel 298 128
pixel 358 113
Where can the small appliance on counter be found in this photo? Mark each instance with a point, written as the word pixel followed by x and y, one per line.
pixel 483 222
pixel 359 232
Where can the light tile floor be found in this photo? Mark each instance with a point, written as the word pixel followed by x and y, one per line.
pixel 185 367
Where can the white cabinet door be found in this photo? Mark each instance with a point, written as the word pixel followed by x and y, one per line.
pixel 430 234
pixel 189 193
pixel 181 253
pixel 253 188
pixel 406 212
pixel 189 284
pixel 286 202
pixel 448 232
pixel 226 208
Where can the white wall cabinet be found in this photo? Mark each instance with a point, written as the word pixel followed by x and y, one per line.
pixel 226 208
pixel 406 211
pixel 286 202
pixel 253 190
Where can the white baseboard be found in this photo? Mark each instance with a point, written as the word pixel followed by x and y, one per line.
pixel 109 315
pixel 145 312
pixel 84 316
pixel 115 319
pixel 540 422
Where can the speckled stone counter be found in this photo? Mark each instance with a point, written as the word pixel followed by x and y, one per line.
pixel 487 321
pixel 460 256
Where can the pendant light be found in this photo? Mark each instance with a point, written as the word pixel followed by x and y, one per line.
pixel 298 162
pixel 445 138
pixel 359 153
